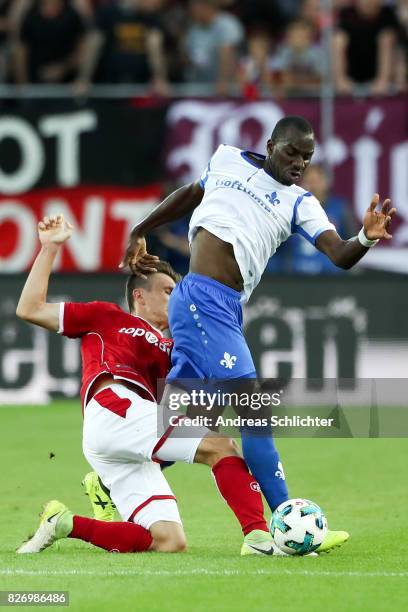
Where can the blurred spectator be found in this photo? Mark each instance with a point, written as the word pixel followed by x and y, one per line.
pixel 5 30
pixel 211 45
pixel 311 12
pixel 254 67
pixel 273 15
pixel 127 42
pixel 402 50
pixel 305 258
pixel 88 7
pixel 174 18
pixel 50 38
pixel 264 20
pixel 19 9
pixel 298 61
pixel 364 46
pixel 85 7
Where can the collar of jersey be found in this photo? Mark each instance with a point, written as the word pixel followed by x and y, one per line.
pixel 148 322
pixel 244 155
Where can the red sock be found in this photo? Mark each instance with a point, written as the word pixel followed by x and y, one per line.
pixel 241 492
pixel 115 537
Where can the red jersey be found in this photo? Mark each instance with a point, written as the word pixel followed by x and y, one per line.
pixel 117 343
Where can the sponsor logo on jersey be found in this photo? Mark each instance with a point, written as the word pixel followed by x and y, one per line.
pixel 280 473
pixel 230 184
pixel 148 335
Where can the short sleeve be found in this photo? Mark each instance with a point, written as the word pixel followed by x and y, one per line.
pixel 281 60
pixel 231 31
pixel 210 166
pixel 309 219
pixel 77 319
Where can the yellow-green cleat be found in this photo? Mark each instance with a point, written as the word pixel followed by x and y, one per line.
pixel 102 506
pixel 56 522
pixel 333 539
pixel 260 542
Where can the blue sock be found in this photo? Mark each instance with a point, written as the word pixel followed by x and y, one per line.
pixel 263 460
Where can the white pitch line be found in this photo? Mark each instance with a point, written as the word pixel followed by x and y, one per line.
pixel 201 572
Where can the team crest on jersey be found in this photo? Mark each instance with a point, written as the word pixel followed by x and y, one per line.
pixel 255 486
pixel 272 198
pixel 228 361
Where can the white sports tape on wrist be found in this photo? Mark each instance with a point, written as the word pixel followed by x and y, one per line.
pixel 364 240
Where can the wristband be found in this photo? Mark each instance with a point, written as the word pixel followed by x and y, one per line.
pixel 363 240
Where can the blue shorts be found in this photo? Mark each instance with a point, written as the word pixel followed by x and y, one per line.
pixel 205 319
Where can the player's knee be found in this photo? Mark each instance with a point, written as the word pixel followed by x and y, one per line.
pixel 178 544
pixel 168 537
pixel 227 448
pixel 170 544
pixel 214 448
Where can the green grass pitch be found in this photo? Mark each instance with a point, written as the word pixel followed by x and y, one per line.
pixel 361 484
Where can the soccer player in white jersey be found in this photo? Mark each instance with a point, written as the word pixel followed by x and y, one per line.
pixel 245 205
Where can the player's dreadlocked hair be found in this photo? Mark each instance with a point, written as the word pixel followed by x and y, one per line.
pixel 134 282
pixel 288 123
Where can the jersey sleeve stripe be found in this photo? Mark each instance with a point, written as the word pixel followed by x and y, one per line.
pixel 302 232
pixel 294 225
pixel 204 178
pixel 320 231
pixel 61 318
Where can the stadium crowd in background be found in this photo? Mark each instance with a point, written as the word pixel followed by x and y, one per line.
pixel 257 47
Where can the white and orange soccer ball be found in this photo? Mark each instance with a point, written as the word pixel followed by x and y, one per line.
pixel 298 526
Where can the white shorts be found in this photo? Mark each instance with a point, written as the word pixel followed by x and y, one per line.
pixel 122 444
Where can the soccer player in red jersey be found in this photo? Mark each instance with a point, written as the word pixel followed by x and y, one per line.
pixel 123 355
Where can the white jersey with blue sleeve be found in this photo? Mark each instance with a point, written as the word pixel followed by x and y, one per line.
pixel 244 206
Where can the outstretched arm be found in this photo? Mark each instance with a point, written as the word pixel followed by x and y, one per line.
pixel 176 205
pixel 346 253
pixel 33 306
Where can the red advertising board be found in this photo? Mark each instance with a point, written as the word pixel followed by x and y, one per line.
pixel 103 218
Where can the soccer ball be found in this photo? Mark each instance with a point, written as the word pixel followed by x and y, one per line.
pixel 298 526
